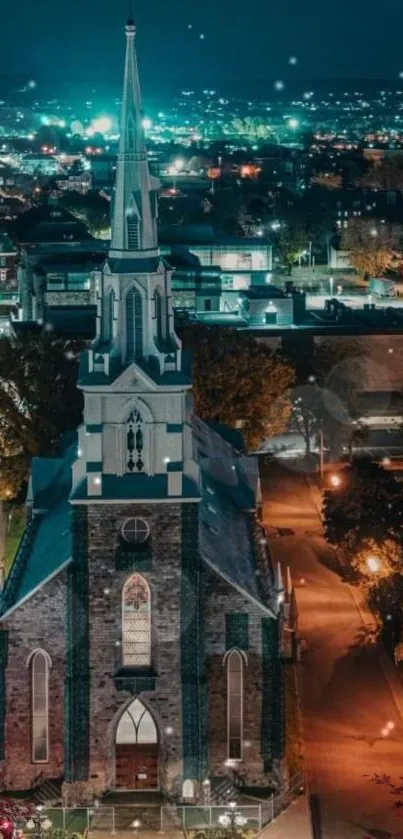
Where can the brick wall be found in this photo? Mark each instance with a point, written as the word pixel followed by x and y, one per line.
pixel 39 623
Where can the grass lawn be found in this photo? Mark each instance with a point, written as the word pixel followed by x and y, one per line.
pixel 16 528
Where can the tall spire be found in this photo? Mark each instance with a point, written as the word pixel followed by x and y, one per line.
pixel 134 223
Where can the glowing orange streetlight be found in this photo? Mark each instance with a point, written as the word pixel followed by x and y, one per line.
pixel 335 480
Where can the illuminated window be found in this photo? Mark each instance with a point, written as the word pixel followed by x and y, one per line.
pixel 134 324
pixel 133 233
pixel 235 705
pixel 136 622
pixel 40 706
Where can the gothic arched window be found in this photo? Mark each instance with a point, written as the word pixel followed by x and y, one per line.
pixel 135 442
pixel 158 314
pixel 134 324
pixel 133 232
pixel 136 622
pixel 40 706
pixel 109 315
pixel 235 704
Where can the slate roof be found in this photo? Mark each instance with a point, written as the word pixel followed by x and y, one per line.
pixel 135 266
pixel 46 546
pixel 150 367
pixel 133 487
pixel 226 540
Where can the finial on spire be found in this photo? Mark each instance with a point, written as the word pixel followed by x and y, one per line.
pixel 130 19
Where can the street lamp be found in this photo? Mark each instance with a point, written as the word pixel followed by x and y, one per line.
pixel 39 822
pixel 135 825
pixel 374 564
pixel 335 480
pixel 232 819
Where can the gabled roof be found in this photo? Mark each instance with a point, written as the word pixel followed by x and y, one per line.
pixel 226 528
pixel 46 545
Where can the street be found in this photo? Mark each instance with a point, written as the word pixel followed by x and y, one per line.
pixel 346 700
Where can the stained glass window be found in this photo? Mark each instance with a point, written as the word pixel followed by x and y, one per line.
pixel 136 622
pixel 235 705
pixel 134 324
pixel 40 701
pixel 135 442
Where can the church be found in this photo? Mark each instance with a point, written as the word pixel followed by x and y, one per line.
pixel 141 622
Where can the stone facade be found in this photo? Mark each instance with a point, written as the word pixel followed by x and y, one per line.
pixel 221 602
pixel 162 570
pixel 37 624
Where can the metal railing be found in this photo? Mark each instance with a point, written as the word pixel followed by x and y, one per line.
pixel 118 818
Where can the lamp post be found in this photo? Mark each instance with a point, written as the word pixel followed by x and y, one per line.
pixel 39 822
pixel 232 819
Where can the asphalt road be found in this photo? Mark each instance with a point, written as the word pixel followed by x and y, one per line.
pixel 346 699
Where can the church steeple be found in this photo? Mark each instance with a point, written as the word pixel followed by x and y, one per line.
pixel 134 223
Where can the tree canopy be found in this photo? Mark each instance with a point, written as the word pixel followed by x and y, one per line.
pixel 39 401
pixel 239 382
pixel 91 208
pixel 329 375
pixel 364 516
pixel 374 247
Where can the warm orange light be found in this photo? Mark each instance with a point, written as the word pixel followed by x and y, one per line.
pixel 335 480
pixel 249 170
pixel 214 172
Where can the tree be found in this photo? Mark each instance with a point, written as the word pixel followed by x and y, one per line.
pixel 290 242
pixel 329 180
pixel 239 382
pixel 39 401
pixel 92 208
pixel 374 247
pixel 364 514
pixel 386 175
pixel 329 376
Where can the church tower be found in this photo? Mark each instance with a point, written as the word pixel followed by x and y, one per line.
pixel 141 623
pixel 132 688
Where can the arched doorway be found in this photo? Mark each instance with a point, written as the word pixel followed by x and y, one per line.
pixel 136 749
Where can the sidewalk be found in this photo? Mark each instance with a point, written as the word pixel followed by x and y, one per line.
pixel 294 823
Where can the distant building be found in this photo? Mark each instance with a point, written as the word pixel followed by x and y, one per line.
pixel 339 260
pixel 210 269
pixel 58 256
pixel 41 164
pixel 8 263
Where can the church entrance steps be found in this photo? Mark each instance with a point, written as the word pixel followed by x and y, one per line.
pixel 49 793
pixel 223 790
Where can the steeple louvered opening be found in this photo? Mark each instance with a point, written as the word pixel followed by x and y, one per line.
pixel 134 325
pixel 133 233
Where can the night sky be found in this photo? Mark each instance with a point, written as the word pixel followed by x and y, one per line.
pixel 253 40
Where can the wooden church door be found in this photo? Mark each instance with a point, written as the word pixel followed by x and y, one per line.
pixel 136 747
